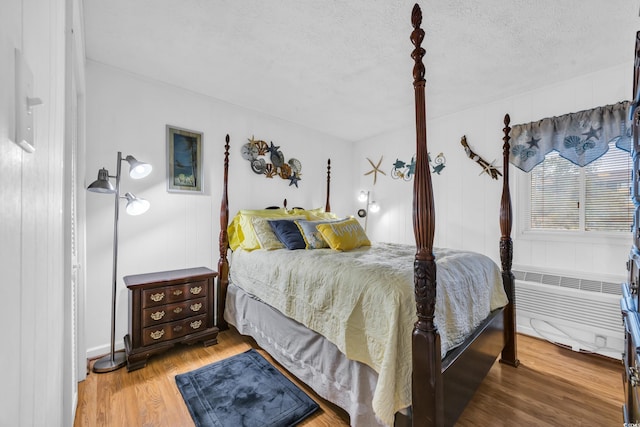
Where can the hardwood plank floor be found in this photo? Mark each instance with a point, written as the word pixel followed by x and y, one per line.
pixel 553 386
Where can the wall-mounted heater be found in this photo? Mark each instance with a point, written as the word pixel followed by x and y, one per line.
pixel 582 314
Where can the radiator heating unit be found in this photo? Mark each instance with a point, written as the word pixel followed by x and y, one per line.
pixel 581 314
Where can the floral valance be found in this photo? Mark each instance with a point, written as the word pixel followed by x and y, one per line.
pixel 580 137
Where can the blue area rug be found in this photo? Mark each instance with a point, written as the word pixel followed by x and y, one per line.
pixel 243 391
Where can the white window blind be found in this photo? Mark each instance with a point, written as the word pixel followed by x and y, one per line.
pixel 594 198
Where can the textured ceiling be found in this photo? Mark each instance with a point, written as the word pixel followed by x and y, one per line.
pixel 343 67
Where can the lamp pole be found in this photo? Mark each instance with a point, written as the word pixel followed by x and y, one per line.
pixel 366 218
pixel 113 361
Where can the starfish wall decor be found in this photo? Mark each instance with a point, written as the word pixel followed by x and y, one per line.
pixel 375 170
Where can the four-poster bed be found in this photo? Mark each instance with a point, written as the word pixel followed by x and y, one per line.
pixel 442 379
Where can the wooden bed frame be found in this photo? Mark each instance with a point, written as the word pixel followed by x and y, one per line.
pixel 441 387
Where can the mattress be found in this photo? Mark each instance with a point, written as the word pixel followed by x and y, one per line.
pixel 362 302
pixel 307 355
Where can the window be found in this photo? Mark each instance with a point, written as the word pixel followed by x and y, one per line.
pixel 593 198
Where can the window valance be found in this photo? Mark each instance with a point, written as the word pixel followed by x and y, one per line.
pixel 580 137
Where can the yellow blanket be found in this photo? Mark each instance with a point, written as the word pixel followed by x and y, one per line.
pixel 363 302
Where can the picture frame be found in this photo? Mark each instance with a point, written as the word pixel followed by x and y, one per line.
pixel 184 161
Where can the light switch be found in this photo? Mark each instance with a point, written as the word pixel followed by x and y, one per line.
pixel 24 104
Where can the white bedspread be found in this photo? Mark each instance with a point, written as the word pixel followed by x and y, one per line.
pixel 363 302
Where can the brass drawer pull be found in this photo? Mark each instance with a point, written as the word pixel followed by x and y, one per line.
pixel 177 310
pixel 177 292
pixel 196 307
pixel 157 334
pixel 157 315
pixel 196 290
pixel 157 297
pixel 196 324
pixel 177 328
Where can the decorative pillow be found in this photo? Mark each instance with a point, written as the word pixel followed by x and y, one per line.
pixel 241 232
pixel 288 233
pixel 265 235
pixel 344 235
pixel 312 237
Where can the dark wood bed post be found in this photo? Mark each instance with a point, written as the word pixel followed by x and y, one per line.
pixel 223 263
pixel 327 206
pixel 427 394
pixel 509 353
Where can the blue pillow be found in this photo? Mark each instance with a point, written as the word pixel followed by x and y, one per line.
pixel 288 233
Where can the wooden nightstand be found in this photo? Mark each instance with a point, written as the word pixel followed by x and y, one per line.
pixel 167 308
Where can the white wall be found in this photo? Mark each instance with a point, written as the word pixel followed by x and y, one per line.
pixel 467 204
pixel 128 113
pixel 31 220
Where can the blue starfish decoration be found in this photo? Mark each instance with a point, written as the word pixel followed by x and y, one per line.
pixel 592 133
pixel 277 158
pixel 273 148
pixel 533 142
pixel 294 178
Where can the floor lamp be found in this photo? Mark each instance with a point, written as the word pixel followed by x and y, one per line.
pixel 135 206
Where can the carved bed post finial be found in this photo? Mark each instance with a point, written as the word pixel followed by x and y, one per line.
pixel 223 263
pixel 509 353
pixel 417 36
pixel 327 207
pixel 427 391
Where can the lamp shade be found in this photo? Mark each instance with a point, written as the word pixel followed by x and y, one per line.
pixel 138 169
pixel 136 206
pixel 102 184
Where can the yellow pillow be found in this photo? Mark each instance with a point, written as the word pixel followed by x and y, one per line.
pixel 240 231
pixel 344 235
pixel 314 214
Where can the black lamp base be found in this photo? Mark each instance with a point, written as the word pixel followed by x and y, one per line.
pixel 108 363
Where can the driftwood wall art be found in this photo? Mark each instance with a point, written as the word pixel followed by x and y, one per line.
pixel 487 167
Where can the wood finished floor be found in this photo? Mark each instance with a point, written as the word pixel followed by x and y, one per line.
pixel 552 387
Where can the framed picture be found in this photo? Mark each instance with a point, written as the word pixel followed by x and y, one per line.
pixel 184 160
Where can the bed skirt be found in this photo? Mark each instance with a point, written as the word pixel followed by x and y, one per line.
pixel 307 355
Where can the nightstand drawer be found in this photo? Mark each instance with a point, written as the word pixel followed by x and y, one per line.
pixel 171 312
pixel 169 294
pixel 169 331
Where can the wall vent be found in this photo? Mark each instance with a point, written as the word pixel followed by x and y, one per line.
pixel 583 314
pixel 589 285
